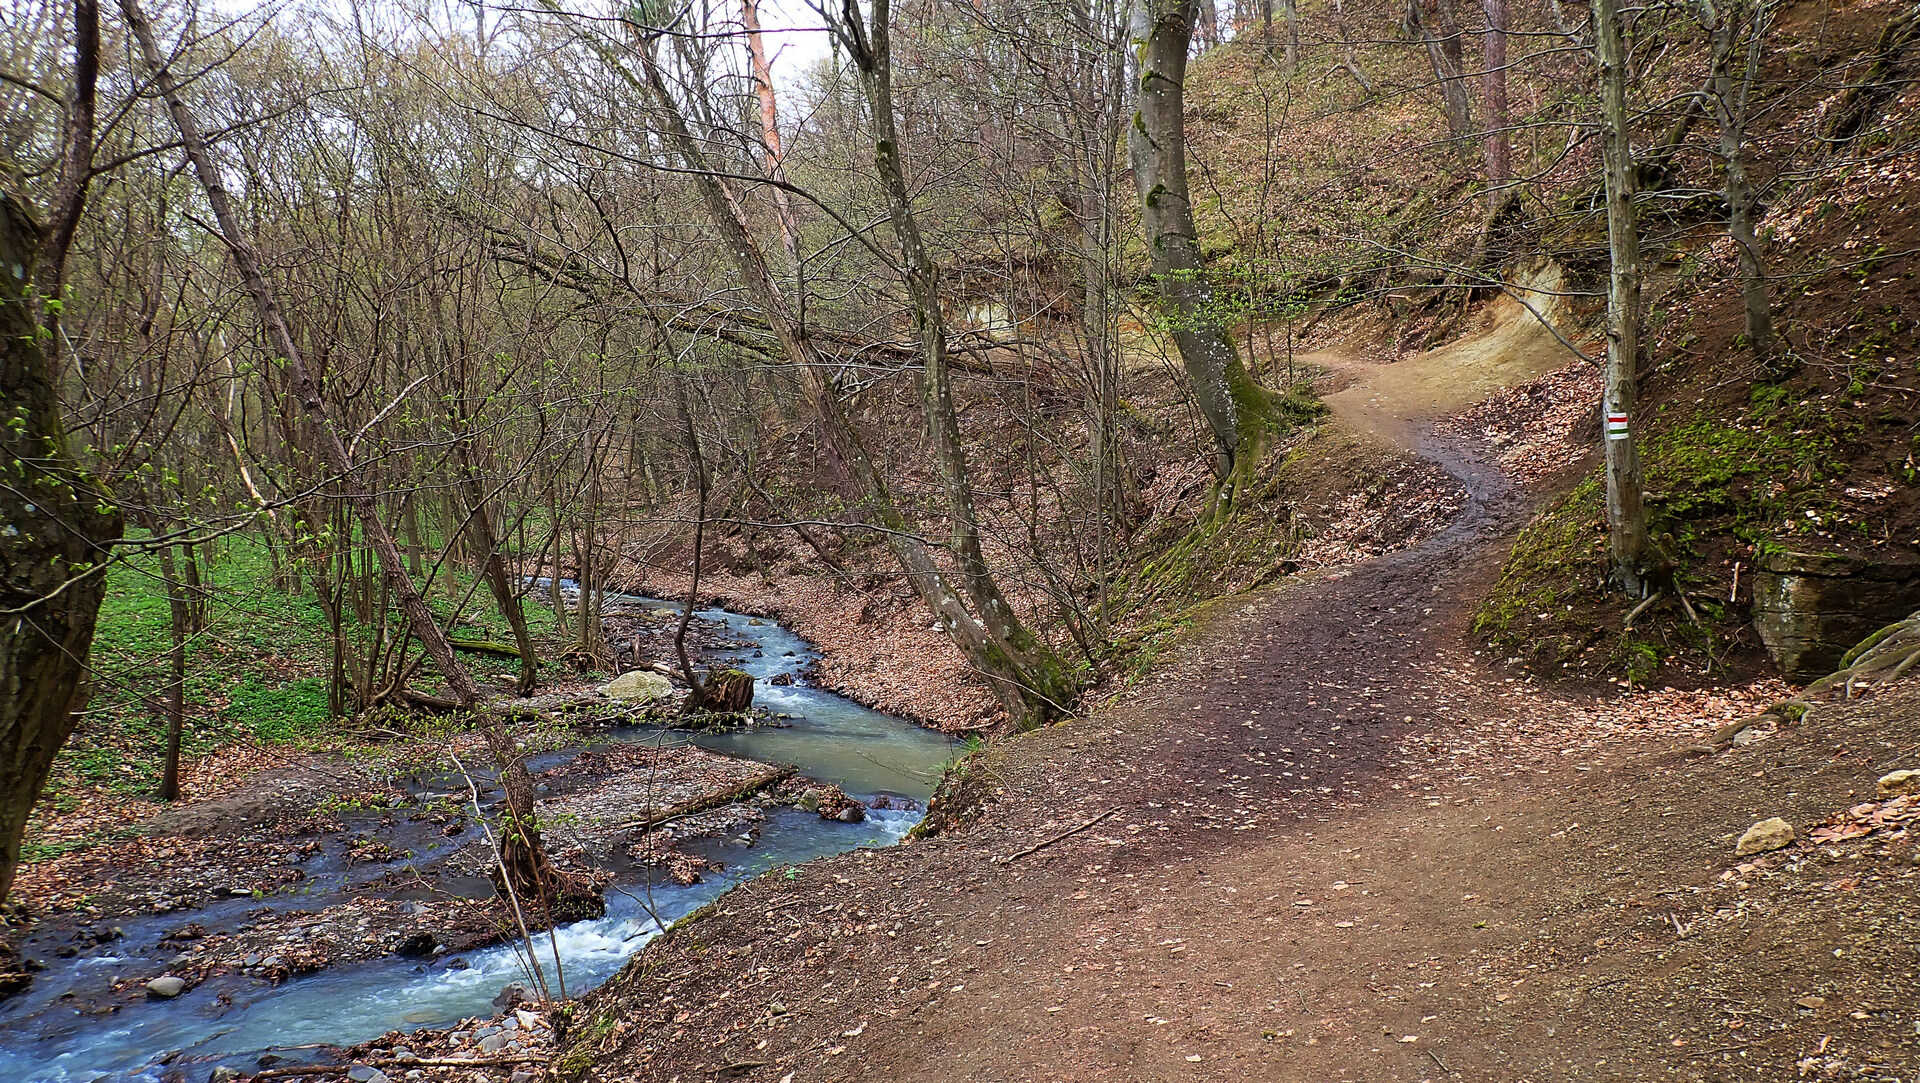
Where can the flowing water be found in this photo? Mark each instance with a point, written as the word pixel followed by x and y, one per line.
pixel 234 1019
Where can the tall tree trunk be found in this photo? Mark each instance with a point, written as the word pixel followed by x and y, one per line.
pixel 528 872
pixel 177 621
pixel 1236 408
pixel 1433 24
pixel 493 567
pixel 1497 143
pixel 1290 9
pixel 1728 97
pixel 59 522
pixel 696 688
pixel 59 519
pixel 1626 510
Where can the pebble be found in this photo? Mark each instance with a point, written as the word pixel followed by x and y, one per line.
pixel 1769 834
pixel 1895 783
pixel 493 1043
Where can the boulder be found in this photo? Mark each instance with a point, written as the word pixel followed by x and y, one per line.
pixel 1812 608
pixel 638 686
pixel 1896 783
pixel 167 986
pixel 1770 834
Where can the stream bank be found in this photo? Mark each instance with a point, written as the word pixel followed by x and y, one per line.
pixel 340 898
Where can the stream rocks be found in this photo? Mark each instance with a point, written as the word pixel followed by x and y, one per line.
pixel 830 803
pixel 167 986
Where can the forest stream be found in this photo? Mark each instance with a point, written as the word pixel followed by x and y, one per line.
pixel 67 1027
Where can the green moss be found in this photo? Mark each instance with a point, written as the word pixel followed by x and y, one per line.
pixel 1768 473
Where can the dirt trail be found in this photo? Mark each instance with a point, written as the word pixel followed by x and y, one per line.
pixel 1395 401
pixel 1272 862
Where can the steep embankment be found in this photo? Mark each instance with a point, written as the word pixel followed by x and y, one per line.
pixel 1324 840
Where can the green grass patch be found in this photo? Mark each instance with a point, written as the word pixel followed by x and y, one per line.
pixel 258 672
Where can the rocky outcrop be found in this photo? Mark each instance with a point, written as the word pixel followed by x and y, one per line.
pixel 1812 608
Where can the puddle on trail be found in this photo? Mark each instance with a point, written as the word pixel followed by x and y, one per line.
pixel 234 1019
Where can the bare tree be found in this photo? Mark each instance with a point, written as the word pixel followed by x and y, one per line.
pixel 528 872
pixel 1497 142
pixel 1436 26
pixel 1728 95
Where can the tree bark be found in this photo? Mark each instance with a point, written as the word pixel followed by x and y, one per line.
pixel 1626 510
pixel 176 699
pixel 1236 408
pixel 528 871
pixel 1290 11
pixel 494 567
pixel 1434 25
pixel 1728 98
pixel 1497 142
pixel 775 160
pixel 59 519
pixel 873 58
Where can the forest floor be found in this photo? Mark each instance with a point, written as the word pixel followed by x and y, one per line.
pixel 1327 840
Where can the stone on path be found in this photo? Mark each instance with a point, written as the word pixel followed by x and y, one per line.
pixel 1770 834
pixel 1896 783
pixel 638 686
pixel 167 986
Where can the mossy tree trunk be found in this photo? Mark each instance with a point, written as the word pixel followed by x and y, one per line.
pixel 1236 408
pixel 58 518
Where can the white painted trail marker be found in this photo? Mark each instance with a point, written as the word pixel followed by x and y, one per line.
pixel 1616 425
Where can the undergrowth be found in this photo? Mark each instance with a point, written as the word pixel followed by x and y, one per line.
pixel 256 674
pixel 1719 491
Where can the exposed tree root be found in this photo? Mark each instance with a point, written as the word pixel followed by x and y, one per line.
pixel 1881 659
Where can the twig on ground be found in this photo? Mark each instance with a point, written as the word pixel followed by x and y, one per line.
pixel 1044 843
